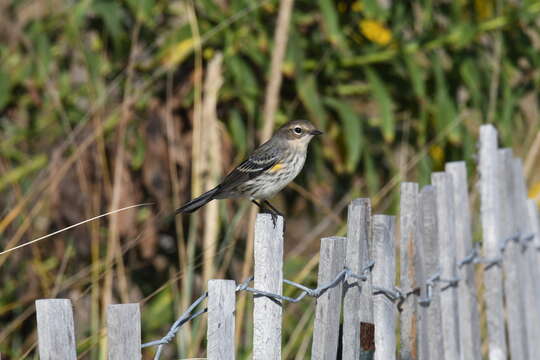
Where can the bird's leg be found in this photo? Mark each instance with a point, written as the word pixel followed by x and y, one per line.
pixel 267 210
pixel 274 212
pixel 259 205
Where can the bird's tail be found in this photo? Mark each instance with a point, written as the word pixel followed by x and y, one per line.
pixel 196 203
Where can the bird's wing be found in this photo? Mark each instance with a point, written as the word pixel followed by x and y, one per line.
pixel 254 165
pixel 258 162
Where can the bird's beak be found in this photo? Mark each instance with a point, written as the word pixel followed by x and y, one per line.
pixel 315 132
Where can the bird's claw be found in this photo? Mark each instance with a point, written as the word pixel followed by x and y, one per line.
pixel 267 208
pixel 274 218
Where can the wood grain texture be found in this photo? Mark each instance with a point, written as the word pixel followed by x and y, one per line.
pixel 431 312
pixel 513 277
pixel 407 250
pixel 124 331
pixel 384 271
pixel 56 336
pixel 534 222
pixel 469 319
pixel 421 278
pixel 328 308
pixel 528 268
pixel 268 255
pixel 489 212
pixel 447 253
pixel 357 302
pixel 221 319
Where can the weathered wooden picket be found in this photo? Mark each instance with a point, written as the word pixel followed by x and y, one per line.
pixel 435 303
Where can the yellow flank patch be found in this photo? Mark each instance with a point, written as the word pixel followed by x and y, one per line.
pixel 276 167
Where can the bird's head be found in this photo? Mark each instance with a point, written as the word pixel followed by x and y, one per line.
pixel 299 132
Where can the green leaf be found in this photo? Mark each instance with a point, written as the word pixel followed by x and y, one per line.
pixel 17 174
pixel 507 112
pixel 295 55
pixel 5 89
pixel 417 76
pixel 159 309
pixel 374 10
pixel 238 132
pixel 239 5
pixel 245 83
pixel 331 24
pixel 178 47
pixel 384 102
pixel 307 89
pixel 370 173
pixel 138 151
pixel 352 130
pixel 43 55
pixel 243 76
pixel 210 9
pixel 113 17
pixel 470 74
pixel 445 109
pixel 143 10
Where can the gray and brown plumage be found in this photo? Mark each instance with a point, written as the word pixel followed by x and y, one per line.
pixel 266 171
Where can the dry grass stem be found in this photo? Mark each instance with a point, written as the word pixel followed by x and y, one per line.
pixel 213 83
pixel 274 79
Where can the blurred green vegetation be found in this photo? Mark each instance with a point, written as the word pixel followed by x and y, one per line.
pixel 399 87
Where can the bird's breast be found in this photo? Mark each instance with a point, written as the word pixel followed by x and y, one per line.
pixel 276 178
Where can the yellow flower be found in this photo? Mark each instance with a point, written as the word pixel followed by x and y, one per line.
pixel 357 6
pixel 269 7
pixel 437 154
pixel 178 52
pixel 288 68
pixel 375 32
pixel 484 9
pixel 208 53
pixel 534 192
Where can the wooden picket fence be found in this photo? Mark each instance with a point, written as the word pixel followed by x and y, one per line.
pixel 435 303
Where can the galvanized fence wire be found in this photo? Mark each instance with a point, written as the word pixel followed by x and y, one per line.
pixel 396 295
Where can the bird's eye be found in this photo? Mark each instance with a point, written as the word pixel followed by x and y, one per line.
pixel 298 130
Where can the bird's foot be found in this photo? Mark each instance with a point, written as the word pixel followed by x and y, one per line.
pixel 267 208
pixel 271 207
pixel 273 212
pixel 274 218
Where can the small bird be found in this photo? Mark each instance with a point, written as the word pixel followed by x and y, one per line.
pixel 266 171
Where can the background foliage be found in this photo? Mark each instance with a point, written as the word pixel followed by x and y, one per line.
pixel 97 103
